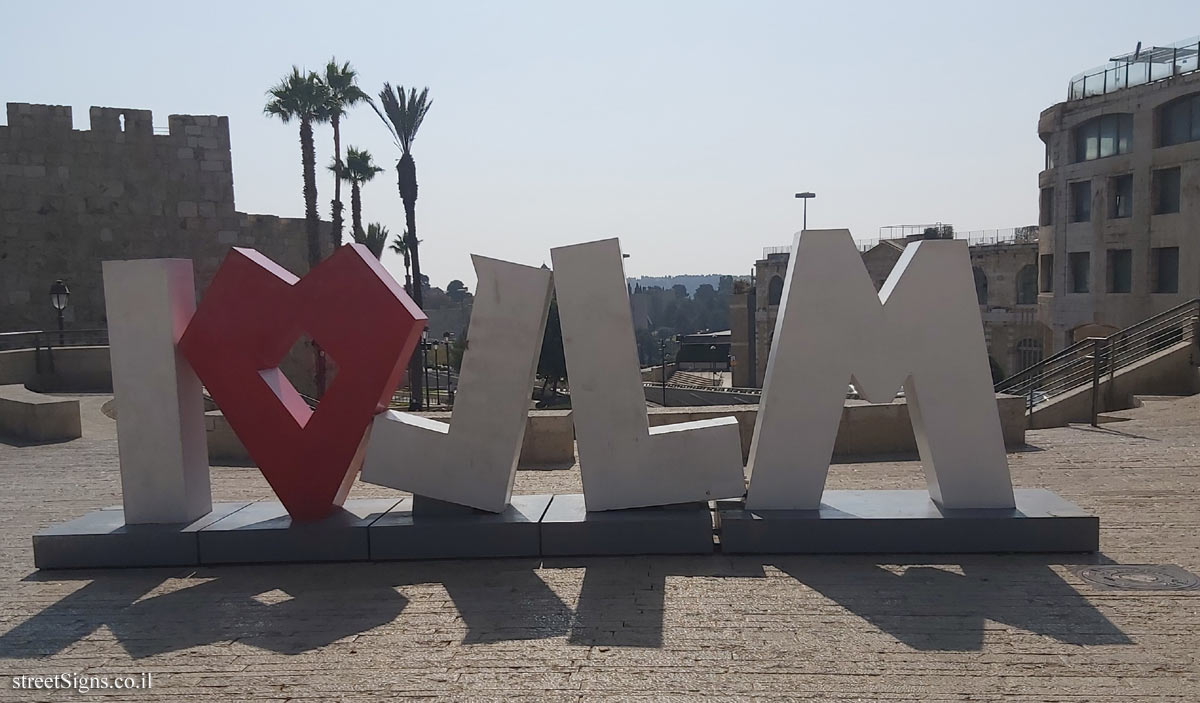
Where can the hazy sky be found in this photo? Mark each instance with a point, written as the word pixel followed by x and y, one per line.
pixel 684 128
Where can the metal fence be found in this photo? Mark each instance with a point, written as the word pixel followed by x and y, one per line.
pixel 46 339
pixel 1144 66
pixel 1089 361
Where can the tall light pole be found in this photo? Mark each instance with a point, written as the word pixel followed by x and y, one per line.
pixel 805 197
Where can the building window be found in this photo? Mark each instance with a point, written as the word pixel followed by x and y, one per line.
pixel 1165 185
pixel 1120 270
pixel 1104 136
pixel 1120 196
pixel 1029 352
pixel 1166 269
pixel 1046 207
pixel 1081 201
pixel 775 290
pixel 1027 285
pixel 1079 263
pixel 980 285
pixel 1047 273
pixel 1049 157
pixel 1179 121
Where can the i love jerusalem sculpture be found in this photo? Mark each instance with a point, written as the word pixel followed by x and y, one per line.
pixel 646 490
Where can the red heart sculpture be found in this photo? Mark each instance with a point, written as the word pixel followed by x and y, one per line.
pixel 252 313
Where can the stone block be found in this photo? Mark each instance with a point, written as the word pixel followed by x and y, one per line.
pixel 185 208
pixel 101 539
pixel 893 521
pixel 568 529
pixel 33 417
pixel 264 533
pixel 455 532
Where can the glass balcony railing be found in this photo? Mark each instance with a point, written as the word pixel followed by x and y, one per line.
pixel 1146 65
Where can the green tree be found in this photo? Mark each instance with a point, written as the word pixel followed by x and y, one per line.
pixel 403 117
pixel 305 98
pixel 343 94
pixel 358 169
pixel 400 246
pixel 373 239
pixel 456 290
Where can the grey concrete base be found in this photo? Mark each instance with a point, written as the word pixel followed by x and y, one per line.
pixel 264 533
pixel 102 539
pixel 27 416
pixel 909 522
pixel 432 529
pixel 569 530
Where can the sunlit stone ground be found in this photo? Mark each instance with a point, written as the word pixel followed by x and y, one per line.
pixel 977 628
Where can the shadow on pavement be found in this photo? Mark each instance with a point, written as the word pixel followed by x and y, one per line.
pixel 292 609
pixel 948 607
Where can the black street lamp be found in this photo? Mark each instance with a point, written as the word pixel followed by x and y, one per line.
pixel 805 196
pixel 59 295
pixel 662 351
pixel 447 338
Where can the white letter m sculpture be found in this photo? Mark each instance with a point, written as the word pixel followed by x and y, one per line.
pixel 921 330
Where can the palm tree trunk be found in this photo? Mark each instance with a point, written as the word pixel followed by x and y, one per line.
pixel 312 227
pixel 337 180
pixel 415 369
pixel 311 223
pixel 356 209
pixel 406 183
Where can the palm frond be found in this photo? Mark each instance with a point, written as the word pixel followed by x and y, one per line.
pixel 299 95
pixel 359 166
pixel 402 114
pixel 343 88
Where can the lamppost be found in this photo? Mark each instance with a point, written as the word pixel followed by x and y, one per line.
pixel 424 368
pixel 59 294
pixel 662 352
pixel 713 363
pixel 805 196
pixel 447 338
pixel 437 383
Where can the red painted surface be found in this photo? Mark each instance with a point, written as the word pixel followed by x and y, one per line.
pixel 252 313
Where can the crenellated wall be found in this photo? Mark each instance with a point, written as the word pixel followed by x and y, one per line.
pixel 70 199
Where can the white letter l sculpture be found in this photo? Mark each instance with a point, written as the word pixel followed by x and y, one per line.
pixel 473 460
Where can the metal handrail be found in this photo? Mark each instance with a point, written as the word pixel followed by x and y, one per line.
pixel 42 339
pixel 1088 360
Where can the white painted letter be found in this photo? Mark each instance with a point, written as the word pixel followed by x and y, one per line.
pixel 160 409
pixel 625 463
pixel 922 330
pixel 473 460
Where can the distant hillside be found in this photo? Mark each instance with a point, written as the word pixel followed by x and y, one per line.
pixel 688 281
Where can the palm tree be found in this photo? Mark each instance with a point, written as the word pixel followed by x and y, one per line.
pixel 305 97
pixel 400 246
pixel 343 94
pixel 373 239
pixel 357 170
pixel 403 116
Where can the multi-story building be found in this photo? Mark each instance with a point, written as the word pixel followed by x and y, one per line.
pixel 1004 263
pixel 1119 235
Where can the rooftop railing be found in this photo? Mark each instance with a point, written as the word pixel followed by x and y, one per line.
pixel 1143 66
pixel 978 237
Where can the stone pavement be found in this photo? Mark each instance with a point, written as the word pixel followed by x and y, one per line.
pixel 979 628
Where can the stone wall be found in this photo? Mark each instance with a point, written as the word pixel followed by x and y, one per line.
pixel 70 199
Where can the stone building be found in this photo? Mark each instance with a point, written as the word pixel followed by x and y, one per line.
pixel 70 199
pixel 1120 195
pixel 1005 269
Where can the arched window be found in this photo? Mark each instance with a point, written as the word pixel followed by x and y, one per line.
pixel 980 285
pixel 775 290
pixel 1179 121
pixel 1027 282
pixel 1029 352
pixel 1106 135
